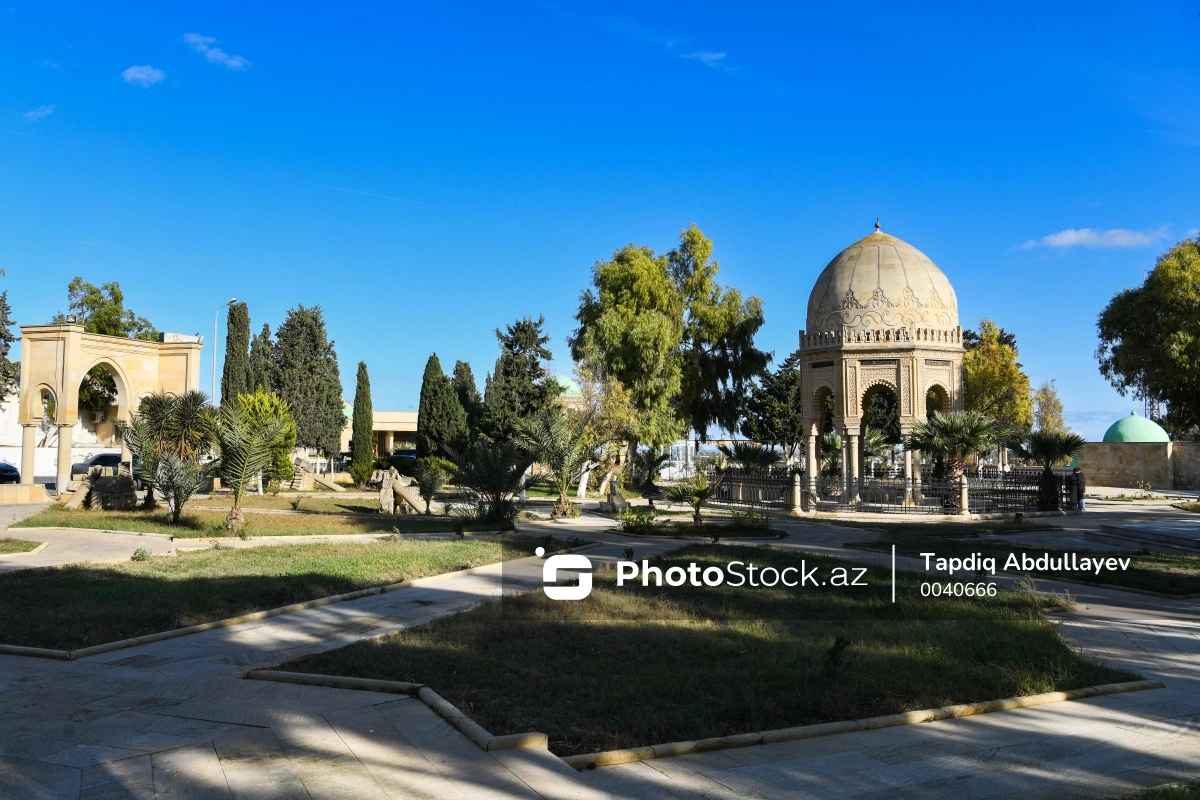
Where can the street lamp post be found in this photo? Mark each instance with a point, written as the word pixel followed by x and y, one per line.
pixel 216 316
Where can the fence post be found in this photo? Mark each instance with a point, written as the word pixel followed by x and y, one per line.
pixel 963 497
pixel 797 496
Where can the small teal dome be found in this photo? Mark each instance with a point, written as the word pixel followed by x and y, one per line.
pixel 569 388
pixel 1136 429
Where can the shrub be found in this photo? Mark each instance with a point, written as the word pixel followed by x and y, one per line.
pixel 141 554
pixel 639 521
pixel 751 519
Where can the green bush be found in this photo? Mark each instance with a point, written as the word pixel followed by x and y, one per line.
pixel 639 521
pixel 751 519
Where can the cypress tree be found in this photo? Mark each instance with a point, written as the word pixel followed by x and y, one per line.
pixel 260 370
pixel 10 371
pixel 309 379
pixel 468 396
pixel 235 379
pixel 441 420
pixel 362 451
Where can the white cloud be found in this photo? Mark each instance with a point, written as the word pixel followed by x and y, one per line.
pixel 40 112
pixel 1096 237
pixel 204 46
pixel 144 75
pixel 707 59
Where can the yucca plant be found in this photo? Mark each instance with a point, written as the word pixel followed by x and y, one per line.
pixel 247 448
pixel 696 492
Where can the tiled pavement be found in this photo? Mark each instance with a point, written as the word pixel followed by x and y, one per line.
pixel 175 719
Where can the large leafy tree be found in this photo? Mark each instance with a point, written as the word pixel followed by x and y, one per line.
pixel 774 410
pixel 1048 409
pixel 235 377
pixel 520 387
pixel 719 360
pixel 10 371
pixel 362 449
pixel 441 420
pixel 309 379
pixel 995 384
pixel 264 409
pixel 261 370
pixel 1150 338
pixel 469 398
pixel 680 343
pixel 101 309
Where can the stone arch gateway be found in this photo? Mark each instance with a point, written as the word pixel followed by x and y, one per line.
pixel 54 361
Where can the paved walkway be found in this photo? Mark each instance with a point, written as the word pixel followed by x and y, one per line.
pixel 175 719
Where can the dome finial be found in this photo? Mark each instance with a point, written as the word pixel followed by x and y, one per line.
pixel 877 226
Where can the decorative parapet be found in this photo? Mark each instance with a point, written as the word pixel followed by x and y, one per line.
pixel 904 334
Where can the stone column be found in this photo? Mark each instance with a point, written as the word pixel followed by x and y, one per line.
pixel 854 471
pixel 389 441
pixel 916 477
pixel 812 467
pixel 28 449
pixel 963 498
pixel 63 469
pixel 797 496
pixel 908 476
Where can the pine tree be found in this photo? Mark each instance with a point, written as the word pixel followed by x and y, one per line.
pixel 441 420
pixel 10 371
pixel 261 370
pixel 468 396
pixel 235 379
pixel 309 379
pixel 521 387
pixel 362 450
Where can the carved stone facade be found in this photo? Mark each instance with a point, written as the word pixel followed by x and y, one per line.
pixel 881 316
pixel 55 359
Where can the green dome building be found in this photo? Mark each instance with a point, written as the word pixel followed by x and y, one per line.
pixel 1136 429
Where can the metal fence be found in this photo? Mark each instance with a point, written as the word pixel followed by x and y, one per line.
pixel 770 488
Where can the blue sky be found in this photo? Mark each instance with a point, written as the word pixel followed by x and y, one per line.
pixel 429 172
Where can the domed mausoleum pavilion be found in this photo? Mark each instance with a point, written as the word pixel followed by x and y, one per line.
pixel 881 318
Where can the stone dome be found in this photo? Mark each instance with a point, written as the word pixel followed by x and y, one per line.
pixel 1136 429
pixel 881 282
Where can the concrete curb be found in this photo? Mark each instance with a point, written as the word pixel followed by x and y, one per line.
pixel 168 536
pixel 34 551
pixel 611 757
pixel 442 707
pixel 121 644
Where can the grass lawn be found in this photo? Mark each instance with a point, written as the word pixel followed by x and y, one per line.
pixel 1156 572
pixel 9 545
pixel 198 524
pixel 1187 506
pixel 636 666
pixel 88 604
pixel 328 504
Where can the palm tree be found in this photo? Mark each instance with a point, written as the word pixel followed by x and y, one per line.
pixel 696 492
pixel 831 454
pixel 430 478
pixel 956 435
pixel 749 455
pixel 562 444
pixel 1049 448
pixel 493 472
pixel 874 443
pixel 168 434
pixel 247 448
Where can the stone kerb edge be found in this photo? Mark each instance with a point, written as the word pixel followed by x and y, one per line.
pixel 442 707
pixel 624 756
pixel 150 638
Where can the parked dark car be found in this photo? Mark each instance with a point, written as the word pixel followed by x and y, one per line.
pixel 404 461
pixel 109 460
pixel 9 473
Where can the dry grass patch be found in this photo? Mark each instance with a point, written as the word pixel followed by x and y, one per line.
pixel 9 545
